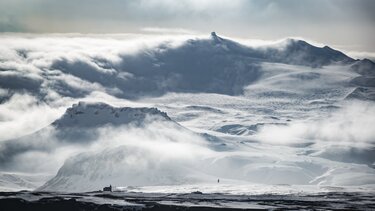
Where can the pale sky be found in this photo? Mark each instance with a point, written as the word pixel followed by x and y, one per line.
pixel 343 24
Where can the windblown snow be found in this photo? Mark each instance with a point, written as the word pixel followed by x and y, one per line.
pixel 173 112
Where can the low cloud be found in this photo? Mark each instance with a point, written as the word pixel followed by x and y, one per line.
pixel 47 150
pixel 23 114
pixel 71 65
pixel 350 125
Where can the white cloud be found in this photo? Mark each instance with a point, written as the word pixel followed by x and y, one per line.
pixel 351 125
pixel 23 114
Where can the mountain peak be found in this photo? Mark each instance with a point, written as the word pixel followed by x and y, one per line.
pixel 296 43
pixel 303 53
pixel 216 38
pixel 86 114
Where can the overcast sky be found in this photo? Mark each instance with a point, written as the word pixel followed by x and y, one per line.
pixel 344 24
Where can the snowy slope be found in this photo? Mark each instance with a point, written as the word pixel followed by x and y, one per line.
pixel 299 52
pixel 123 165
pixel 16 181
pixel 285 113
pixel 210 65
pixel 266 164
pixel 77 129
pixel 237 154
pixel 11 182
pixel 217 65
pixel 365 83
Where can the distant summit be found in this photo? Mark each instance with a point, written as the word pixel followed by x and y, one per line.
pixel 86 114
pixel 215 38
pixel 301 52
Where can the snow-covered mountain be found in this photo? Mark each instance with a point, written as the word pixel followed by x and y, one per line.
pixel 365 83
pixel 123 165
pixel 211 65
pixel 236 159
pixel 15 182
pixel 283 113
pixel 79 125
pixel 233 163
pixel 302 53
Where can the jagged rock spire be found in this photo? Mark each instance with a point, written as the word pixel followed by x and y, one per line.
pixel 215 38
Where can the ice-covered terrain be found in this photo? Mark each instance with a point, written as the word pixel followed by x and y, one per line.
pixel 159 114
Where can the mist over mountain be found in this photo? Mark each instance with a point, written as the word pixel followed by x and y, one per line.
pixel 88 111
pixel 79 125
pixel 141 105
pixel 212 65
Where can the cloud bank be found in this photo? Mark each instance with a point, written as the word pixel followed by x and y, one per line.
pixel 346 24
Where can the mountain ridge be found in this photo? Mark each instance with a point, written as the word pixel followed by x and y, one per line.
pixel 198 65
